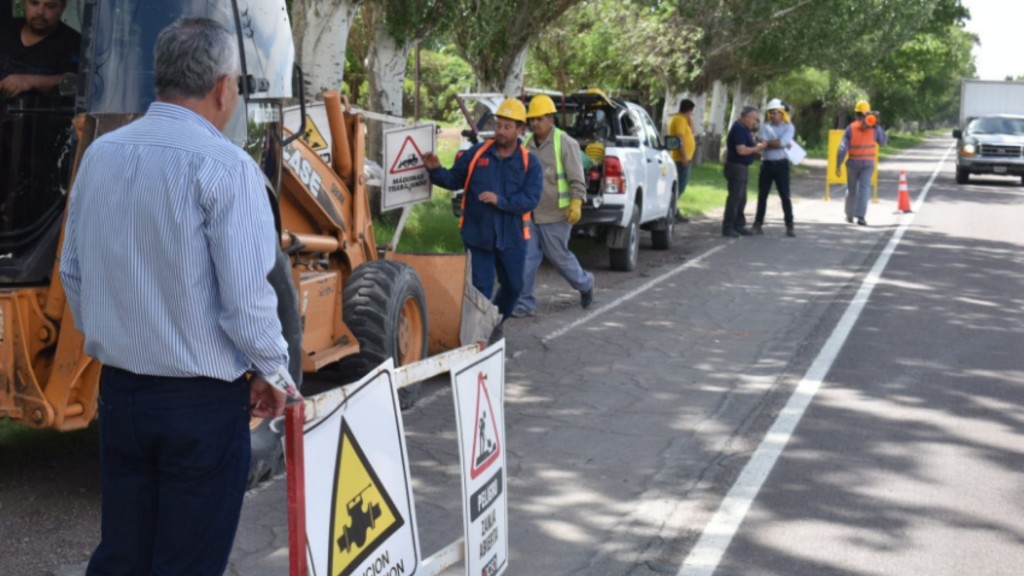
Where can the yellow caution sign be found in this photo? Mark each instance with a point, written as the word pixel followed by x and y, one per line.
pixel 835 138
pixel 364 515
pixel 312 136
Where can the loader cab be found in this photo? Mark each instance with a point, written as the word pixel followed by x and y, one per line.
pixel 114 85
pixel 36 154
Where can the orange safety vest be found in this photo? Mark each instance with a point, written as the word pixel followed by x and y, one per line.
pixel 862 142
pixel 469 174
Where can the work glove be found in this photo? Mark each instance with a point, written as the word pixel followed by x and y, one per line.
pixel 575 211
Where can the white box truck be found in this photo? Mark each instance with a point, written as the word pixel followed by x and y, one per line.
pixel 990 136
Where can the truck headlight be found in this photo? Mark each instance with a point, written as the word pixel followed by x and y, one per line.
pixel 967 150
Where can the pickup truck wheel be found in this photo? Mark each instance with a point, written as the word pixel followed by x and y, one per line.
pixel 661 238
pixel 624 259
pixel 385 308
pixel 962 176
pixel 267 455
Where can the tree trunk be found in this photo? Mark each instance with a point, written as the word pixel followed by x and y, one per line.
pixel 700 104
pixel 712 145
pixel 320 28
pixel 513 82
pixel 738 100
pixel 386 65
pixel 719 96
pixel 672 100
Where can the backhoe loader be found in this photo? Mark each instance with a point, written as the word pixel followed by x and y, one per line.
pixel 345 306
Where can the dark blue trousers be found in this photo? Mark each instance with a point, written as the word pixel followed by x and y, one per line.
pixel 509 265
pixel 175 455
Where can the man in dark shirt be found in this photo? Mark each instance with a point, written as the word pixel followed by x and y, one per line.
pixel 741 149
pixel 35 51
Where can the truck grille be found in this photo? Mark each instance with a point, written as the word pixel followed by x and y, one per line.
pixel 998 151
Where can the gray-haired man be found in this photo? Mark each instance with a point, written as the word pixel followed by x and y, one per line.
pixel 168 242
pixel 741 148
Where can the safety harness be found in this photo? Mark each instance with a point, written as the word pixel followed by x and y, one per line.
pixel 469 175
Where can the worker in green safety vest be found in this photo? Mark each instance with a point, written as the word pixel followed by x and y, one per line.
pixel 561 205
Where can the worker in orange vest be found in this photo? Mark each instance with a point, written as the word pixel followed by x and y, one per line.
pixel 860 140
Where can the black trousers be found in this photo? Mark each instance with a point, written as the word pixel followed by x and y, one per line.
pixel 776 171
pixel 736 200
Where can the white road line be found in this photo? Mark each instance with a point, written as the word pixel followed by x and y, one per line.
pixel 630 295
pixel 707 553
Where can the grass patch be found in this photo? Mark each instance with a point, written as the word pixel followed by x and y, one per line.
pixel 19 442
pixel 706 189
pixel 430 228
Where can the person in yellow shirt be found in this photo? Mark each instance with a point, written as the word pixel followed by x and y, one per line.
pixel 681 126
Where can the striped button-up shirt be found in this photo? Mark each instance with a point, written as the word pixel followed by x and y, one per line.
pixel 167 246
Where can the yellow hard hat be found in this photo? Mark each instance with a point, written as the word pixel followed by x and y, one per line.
pixel 513 109
pixel 862 107
pixel 541 105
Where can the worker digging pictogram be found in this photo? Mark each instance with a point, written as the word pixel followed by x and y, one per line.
pixel 364 514
pixel 407 160
pixel 486 443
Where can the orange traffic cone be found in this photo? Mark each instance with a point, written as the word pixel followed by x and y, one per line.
pixel 903 203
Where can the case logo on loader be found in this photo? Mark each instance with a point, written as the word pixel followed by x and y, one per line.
pixel 364 515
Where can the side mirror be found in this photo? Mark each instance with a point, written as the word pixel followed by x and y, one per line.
pixel 958 134
pixel 672 143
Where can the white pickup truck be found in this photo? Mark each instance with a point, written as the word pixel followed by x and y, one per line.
pixel 631 178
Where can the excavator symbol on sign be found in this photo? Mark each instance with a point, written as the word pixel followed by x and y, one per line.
pixel 363 518
pixel 409 161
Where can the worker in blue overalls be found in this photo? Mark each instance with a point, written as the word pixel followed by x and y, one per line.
pixel 502 183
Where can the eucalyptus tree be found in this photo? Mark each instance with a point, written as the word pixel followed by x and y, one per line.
pixel 320 29
pixel 492 35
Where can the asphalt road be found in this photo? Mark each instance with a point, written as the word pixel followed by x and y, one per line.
pixel 629 424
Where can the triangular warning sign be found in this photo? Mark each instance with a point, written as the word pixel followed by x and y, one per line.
pixel 312 136
pixel 408 159
pixel 486 443
pixel 364 515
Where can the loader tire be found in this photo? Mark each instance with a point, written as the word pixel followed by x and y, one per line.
pixel 267 451
pixel 385 308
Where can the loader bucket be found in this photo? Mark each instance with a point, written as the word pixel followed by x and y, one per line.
pixel 457 313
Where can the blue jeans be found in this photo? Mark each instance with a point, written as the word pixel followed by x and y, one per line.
pixel 175 456
pixel 858 188
pixel 776 171
pixel 508 265
pixel 551 241
pixel 684 179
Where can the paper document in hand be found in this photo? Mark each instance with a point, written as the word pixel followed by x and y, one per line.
pixel 795 153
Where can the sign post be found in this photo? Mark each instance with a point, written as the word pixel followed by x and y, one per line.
pixel 479 394
pixel 406 181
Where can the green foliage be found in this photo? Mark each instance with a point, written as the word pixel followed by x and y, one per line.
pixel 490 34
pixel 443 74
pixel 920 80
pixel 587 46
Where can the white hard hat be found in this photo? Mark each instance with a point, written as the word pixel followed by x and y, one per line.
pixel 775 104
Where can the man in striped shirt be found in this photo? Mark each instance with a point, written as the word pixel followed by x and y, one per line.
pixel 168 243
